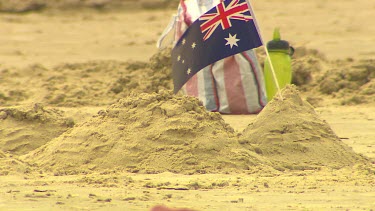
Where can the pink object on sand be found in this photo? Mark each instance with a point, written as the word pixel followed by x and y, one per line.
pixel 164 208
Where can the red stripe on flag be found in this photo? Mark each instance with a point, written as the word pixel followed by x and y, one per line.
pixel 233 86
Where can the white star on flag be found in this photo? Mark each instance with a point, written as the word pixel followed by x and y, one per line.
pixel 232 40
pixel 193 45
pixel 188 71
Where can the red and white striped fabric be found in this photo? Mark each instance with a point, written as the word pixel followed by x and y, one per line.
pixel 234 85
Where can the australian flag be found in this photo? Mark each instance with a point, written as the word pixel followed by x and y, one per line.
pixel 226 29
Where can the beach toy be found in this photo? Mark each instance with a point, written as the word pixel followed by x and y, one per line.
pixel 280 53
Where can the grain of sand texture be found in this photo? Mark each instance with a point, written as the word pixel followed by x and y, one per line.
pixel 88 120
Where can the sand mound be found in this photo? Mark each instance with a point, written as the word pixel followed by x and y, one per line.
pixel 291 135
pixel 90 83
pixel 104 82
pixel 306 65
pixel 148 133
pixel 25 128
pixel 341 79
pixel 347 78
pixel 93 83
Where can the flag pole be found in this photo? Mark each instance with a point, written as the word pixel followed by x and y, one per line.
pixel 265 48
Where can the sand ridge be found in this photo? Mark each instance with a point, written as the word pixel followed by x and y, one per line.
pixel 92 83
pixel 27 127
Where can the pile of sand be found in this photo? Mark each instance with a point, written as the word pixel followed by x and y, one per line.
pixel 339 79
pixel 94 83
pixel 148 133
pixel 351 81
pixel 307 64
pixel 25 128
pixel 290 134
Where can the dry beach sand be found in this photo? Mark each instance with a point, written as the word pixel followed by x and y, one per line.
pixel 88 121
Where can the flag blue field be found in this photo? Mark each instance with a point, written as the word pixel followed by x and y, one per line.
pixel 225 30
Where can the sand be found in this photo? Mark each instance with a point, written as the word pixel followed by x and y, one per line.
pixel 88 121
pixel 25 128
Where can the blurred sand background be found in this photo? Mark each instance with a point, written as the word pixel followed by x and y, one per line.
pixel 339 30
pixel 63 62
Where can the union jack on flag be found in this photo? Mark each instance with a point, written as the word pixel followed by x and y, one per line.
pixel 223 16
